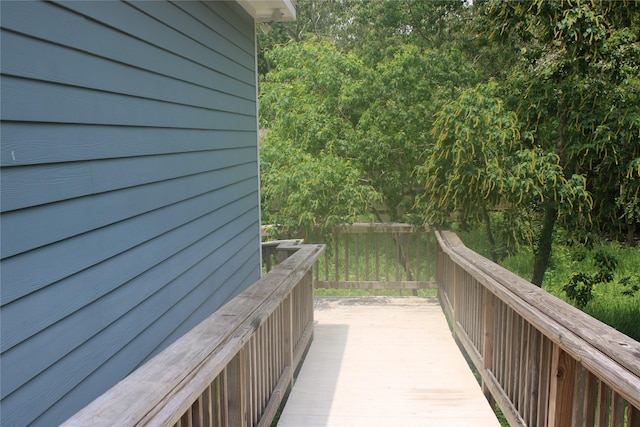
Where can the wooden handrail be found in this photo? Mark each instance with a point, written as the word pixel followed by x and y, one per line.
pixel 545 362
pixel 234 368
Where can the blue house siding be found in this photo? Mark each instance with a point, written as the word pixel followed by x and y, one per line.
pixel 128 189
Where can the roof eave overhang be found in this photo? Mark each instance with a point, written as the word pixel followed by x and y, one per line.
pixel 270 10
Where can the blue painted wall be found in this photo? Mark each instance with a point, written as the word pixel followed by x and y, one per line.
pixel 129 189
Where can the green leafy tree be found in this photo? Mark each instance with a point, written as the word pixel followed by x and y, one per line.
pixel 575 56
pixel 483 159
pixel 403 95
pixel 357 82
pixel 325 20
pixel 309 176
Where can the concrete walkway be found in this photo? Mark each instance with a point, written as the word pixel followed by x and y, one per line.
pixel 384 361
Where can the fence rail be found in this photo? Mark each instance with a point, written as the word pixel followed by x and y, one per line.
pixel 377 256
pixel 544 362
pixel 233 369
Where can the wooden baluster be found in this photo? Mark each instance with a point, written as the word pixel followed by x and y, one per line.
pixel 617 412
pixel 253 374
pixel 508 360
pixel 367 253
pixel 336 254
pixel 545 379
pixel 377 237
pixel 489 339
pixel 418 257
pixel 387 257
pixel 235 389
pixel 563 371
pixel 604 404
pixel 287 337
pixel 357 256
pixel 532 389
pixel 633 416
pixel 346 257
pixel 456 295
pixel 429 260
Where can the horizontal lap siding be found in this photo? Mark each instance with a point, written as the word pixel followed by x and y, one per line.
pixel 129 189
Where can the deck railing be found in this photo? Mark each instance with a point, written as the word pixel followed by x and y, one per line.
pixel 233 369
pixel 376 256
pixel 544 362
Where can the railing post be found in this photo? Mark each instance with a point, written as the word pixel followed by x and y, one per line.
pixel 287 338
pixel 457 290
pixel 487 345
pixel 236 393
pixel 563 376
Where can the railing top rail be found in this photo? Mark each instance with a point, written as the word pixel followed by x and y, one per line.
pixel 284 244
pixel 154 392
pixel 608 353
pixel 379 227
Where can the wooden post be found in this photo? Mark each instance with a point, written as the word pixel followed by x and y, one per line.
pixel 346 256
pixel 563 371
pixel 236 381
pixel 457 294
pixel 429 260
pixel 336 254
pixel 488 343
pixel 367 254
pixel 287 338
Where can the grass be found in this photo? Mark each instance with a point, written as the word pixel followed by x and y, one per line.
pixel 609 303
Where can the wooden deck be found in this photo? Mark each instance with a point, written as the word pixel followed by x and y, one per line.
pixel 383 361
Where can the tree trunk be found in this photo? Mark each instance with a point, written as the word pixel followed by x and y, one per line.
pixel 492 242
pixel 543 246
pixel 631 232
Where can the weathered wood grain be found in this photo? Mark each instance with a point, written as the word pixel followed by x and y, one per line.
pixel 165 388
pixel 578 341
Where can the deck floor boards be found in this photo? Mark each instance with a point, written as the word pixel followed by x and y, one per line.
pixel 384 361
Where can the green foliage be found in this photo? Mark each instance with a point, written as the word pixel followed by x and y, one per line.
pixel 302 191
pixel 393 132
pixel 325 108
pixel 414 105
pixel 580 287
pixel 576 89
pixel 482 158
pixel 631 288
pixel 308 174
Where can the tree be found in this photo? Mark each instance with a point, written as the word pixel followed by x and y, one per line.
pixel 576 56
pixel 309 176
pixel 402 95
pixel 359 84
pixel 483 158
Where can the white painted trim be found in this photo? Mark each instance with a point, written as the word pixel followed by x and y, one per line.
pixel 270 10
